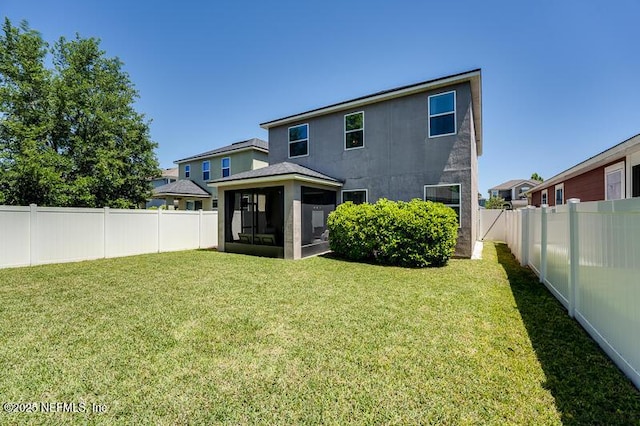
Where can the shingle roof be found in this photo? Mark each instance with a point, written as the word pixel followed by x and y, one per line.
pixel 284 168
pixel 236 146
pixel 170 173
pixel 183 187
pixel 514 182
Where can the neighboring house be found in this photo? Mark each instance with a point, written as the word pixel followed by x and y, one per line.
pixel 191 190
pixel 514 192
pixel 168 176
pixel 611 175
pixel 418 141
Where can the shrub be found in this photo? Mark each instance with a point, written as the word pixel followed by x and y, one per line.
pixel 411 234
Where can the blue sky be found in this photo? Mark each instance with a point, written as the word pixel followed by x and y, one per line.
pixel 560 78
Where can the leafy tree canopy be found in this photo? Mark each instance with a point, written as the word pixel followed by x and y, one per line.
pixel 494 203
pixel 536 176
pixel 69 135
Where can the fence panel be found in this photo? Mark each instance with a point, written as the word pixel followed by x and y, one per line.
pixel 535 237
pixel 557 279
pixel 131 232
pixel 35 235
pixel 492 225
pixel 68 235
pixel 608 293
pixel 179 230
pixel 15 247
pixel 209 229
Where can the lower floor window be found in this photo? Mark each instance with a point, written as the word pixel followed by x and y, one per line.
pixel 316 205
pixel 447 194
pixel 356 196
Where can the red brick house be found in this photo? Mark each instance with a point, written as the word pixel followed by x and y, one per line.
pixel 613 174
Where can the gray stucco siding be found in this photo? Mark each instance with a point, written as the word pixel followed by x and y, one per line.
pixel 398 158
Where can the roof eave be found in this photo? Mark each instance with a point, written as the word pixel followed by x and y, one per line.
pixel 221 154
pixel 474 77
pixel 275 178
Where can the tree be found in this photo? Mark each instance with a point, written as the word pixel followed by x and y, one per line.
pixel 536 176
pixel 494 203
pixel 69 136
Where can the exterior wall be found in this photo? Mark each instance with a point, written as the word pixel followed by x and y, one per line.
pixel 398 158
pixel 588 186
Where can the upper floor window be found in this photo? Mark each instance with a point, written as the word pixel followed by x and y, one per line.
pixel 447 194
pixel 356 196
pixel 442 114
pixel 354 130
pixel 494 192
pixel 299 141
pixel 225 164
pixel 559 194
pixel 614 182
pixel 187 171
pixel 206 170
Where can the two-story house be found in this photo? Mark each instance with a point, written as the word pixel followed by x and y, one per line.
pixel 191 190
pixel 417 141
pixel 514 192
pixel 166 177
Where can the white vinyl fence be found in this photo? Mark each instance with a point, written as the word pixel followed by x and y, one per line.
pixel 36 235
pixel 588 256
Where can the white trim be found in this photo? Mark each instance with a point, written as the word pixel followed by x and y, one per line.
pixel 555 194
pixel 442 114
pixel 357 103
pixel 297 140
pixel 617 167
pixel 222 166
pixel 544 192
pixel 344 124
pixel 366 194
pixel 459 205
pixel 208 163
pixel 187 171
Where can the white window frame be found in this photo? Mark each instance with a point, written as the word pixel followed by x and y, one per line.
pixel 455 116
pixel 459 205
pixel 222 168
pixel 618 167
pixel 206 170
pixel 555 194
pixel 544 197
pixel 187 171
pixel 344 124
pixel 366 194
pixel 298 140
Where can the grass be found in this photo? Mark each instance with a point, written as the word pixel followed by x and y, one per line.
pixel 201 337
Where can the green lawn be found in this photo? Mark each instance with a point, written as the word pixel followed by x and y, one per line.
pixel 201 337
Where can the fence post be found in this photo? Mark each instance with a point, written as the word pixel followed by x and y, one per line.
pixel 105 250
pixel 33 234
pixel 200 228
pixel 159 229
pixel 574 255
pixel 543 243
pixel 524 241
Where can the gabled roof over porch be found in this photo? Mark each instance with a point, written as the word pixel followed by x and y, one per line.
pixel 181 188
pixel 277 172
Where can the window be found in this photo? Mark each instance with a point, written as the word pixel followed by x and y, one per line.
pixel 614 182
pixel 354 130
pixel 494 192
pixel 544 197
pixel 559 194
pixel 316 205
pixel 225 165
pixel 299 141
pixel 206 170
pixel 356 196
pixel 214 204
pixel 635 181
pixel 442 114
pixel 187 171
pixel 447 194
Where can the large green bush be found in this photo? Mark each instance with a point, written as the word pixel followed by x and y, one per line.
pixel 413 234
